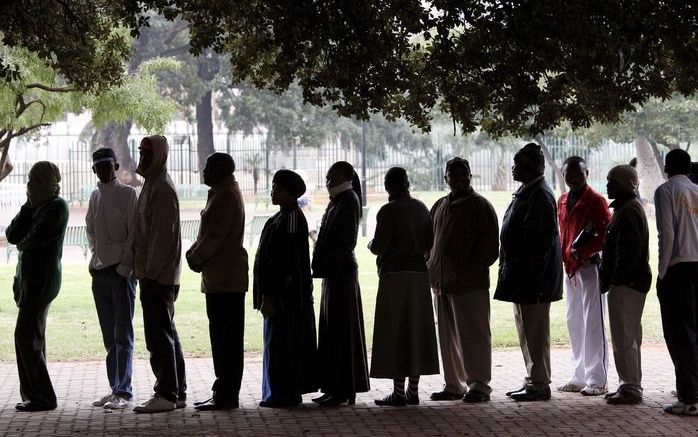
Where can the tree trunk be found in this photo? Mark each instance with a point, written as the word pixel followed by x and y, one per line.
pixel 204 131
pixel 115 136
pixel 649 172
pixel 500 176
pixel 551 162
pixel 5 164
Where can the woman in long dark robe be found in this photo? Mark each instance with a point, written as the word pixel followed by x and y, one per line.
pixel 343 368
pixel 283 293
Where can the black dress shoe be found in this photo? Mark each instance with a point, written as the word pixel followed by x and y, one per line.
pixel 34 406
pixel 445 395
pixel 509 393
pixel 532 395
pixel 213 405
pixel 336 400
pixel 322 398
pixel 392 400
pixel 475 396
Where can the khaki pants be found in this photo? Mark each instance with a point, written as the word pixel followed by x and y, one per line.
pixel 465 340
pixel 625 307
pixel 533 327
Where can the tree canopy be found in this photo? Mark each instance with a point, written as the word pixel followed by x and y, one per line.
pixel 508 66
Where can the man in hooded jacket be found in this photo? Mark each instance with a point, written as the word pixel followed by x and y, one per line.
pixel 157 265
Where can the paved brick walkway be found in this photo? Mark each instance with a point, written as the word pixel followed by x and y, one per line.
pixel 566 414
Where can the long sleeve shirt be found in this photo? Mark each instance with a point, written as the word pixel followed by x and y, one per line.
pixel 110 223
pixel 676 209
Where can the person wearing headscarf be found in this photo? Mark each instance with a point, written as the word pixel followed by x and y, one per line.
pixel 342 363
pixel 37 231
pixel 218 254
pixel 110 225
pixel 404 339
pixel 283 292
pixel 626 277
pixel 157 266
pixel 466 242
pixel 530 268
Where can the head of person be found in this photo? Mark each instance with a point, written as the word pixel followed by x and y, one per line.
pixel 286 187
pixel 677 162
pixel 458 174
pixel 219 167
pixel 153 152
pixel 575 171
pixel 529 163
pixel 396 182
pixel 104 164
pixel 341 177
pixel 622 182
pixel 43 182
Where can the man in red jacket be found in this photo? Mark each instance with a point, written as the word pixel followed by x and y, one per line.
pixel 583 215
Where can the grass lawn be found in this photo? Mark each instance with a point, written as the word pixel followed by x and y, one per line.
pixel 73 331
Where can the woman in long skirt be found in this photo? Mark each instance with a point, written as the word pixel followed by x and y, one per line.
pixel 342 364
pixel 283 293
pixel 404 338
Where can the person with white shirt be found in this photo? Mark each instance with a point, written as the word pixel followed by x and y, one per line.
pixel 676 208
pixel 110 233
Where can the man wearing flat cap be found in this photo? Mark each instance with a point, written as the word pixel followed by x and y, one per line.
pixel 111 231
pixel 465 246
pixel 37 231
pixel 626 276
pixel 219 255
pixel 530 268
pixel 283 292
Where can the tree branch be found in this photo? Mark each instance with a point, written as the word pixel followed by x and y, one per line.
pixel 26 129
pixel 51 89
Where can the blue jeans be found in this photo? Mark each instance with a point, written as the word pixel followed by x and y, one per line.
pixel 114 298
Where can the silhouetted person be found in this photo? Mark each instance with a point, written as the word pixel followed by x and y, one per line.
pixel 626 276
pixel 466 242
pixel 676 207
pixel 530 268
pixel 37 231
pixel 219 255
pixel 111 232
pixel 584 215
pixel 283 292
pixel 158 253
pixel 404 340
pixel 693 174
pixel 342 364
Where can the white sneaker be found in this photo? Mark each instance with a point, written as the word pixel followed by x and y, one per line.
pixel 570 387
pixel 681 408
pixel 118 403
pixel 156 404
pixel 103 400
pixel 677 407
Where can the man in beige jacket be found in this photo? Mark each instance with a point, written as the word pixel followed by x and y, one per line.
pixel 466 239
pixel 219 255
pixel 157 266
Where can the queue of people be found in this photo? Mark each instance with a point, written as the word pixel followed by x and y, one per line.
pixel 444 254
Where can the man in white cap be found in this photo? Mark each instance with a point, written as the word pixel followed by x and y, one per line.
pixel 626 276
pixel 110 223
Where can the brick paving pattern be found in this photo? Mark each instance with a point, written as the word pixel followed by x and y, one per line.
pixel 77 384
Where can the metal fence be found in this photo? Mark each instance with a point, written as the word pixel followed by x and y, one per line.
pixel 256 163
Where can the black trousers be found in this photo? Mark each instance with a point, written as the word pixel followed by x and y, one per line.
pixel 678 299
pixel 30 349
pixel 162 340
pixel 226 326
